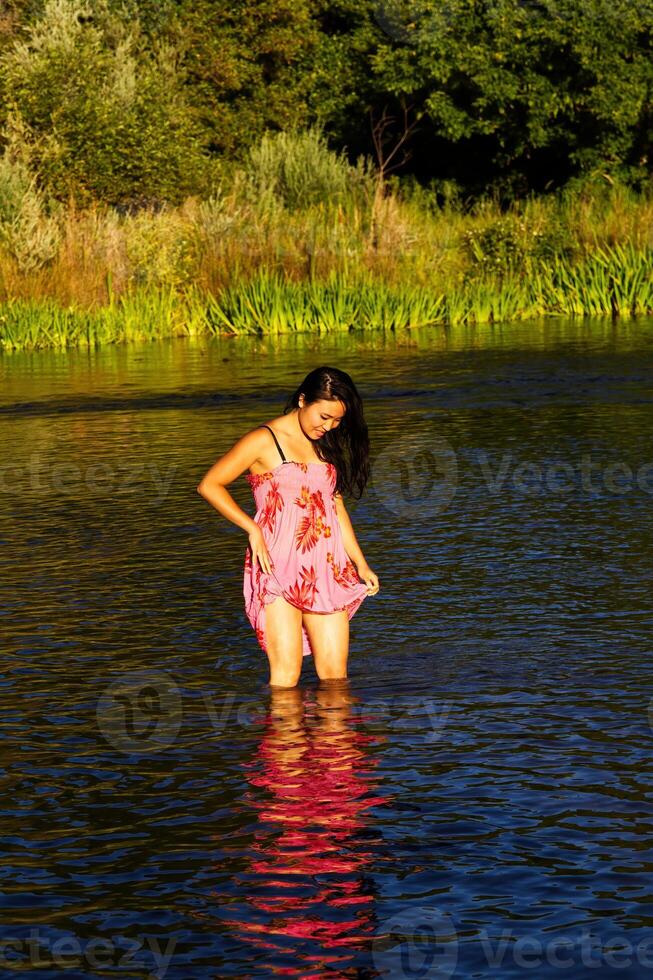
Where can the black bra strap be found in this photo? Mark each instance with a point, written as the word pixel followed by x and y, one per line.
pixel 277 442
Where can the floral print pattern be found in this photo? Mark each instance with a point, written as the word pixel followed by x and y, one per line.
pixel 295 509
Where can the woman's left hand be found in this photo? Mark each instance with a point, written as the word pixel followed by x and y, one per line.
pixel 370 578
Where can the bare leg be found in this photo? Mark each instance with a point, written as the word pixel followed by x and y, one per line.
pixel 283 639
pixel 329 637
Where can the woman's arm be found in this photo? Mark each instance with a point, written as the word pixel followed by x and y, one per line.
pixel 228 468
pixel 353 549
pixel 212 487
pixel 349 538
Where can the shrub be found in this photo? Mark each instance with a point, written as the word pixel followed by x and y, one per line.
pixel 105 120
pixel 27 232
pixel 299 170
pixel 497 247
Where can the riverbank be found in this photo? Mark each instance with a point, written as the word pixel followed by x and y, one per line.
pixel 249 263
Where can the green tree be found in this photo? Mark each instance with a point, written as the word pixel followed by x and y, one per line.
pixel 248 66
pixel 511 94
pixel 527 90
pixel 104 117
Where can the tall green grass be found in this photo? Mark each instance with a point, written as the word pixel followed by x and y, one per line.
pixel 616 282
pixel 299 240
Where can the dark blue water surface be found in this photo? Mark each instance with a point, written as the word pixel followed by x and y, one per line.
pixel 474 801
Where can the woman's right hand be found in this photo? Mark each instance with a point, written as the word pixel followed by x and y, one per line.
pixel 260 551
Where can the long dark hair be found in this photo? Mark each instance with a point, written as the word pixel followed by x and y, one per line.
pixel 347 445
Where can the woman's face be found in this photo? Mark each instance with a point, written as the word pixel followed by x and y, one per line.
pixel 320 417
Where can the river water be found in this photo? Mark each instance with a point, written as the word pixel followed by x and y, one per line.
pixel 474 802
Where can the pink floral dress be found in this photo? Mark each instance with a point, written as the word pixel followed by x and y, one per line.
pixel 296 511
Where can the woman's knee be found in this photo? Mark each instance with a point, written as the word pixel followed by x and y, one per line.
pixel 283 683
pixel 283 640
pixel 285 669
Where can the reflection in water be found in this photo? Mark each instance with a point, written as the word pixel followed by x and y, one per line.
pixel 307 881
pixel 508 659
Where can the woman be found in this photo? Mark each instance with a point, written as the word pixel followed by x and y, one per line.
pixel 304 575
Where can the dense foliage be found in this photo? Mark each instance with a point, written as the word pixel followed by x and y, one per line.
pixel 150 100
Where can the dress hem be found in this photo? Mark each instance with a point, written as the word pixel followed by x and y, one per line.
pixel 351 609
pixel 317 612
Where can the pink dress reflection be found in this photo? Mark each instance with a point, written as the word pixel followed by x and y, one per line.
pixel 308 881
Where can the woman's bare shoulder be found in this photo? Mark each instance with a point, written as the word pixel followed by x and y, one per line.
pixel 280 424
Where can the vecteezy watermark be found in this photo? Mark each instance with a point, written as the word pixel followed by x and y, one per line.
pixel 40 475
pixel 423 942
pixel 417 942
pixel 140 712
pixel 417 478
pixel 429 716
pixel 40 951
pixel 563 477
pixel 567 951
pixel 411 22
pixel 420 479
pixel 424 716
